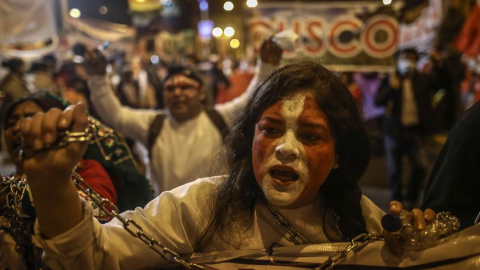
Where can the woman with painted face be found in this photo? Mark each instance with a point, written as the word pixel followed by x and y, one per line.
pixel 296 153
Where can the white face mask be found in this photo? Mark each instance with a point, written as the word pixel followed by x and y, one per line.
pixel 404 66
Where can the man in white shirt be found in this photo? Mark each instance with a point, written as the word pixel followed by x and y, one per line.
pixel 186 148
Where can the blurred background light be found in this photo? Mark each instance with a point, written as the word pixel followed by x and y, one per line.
pixel 103 10
pixel 205 28
pixel 234 43
pixel 229 31
pixel 203 6
pixel 155 59
pixel 75 13
pixel 166 3
pixel 228 6
pixel 252 3
pixel 217 32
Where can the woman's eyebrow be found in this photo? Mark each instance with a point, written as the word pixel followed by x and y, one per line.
pixel 274 120
pixel 313 125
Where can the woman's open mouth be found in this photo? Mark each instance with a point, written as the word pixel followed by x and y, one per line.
pixel 284 173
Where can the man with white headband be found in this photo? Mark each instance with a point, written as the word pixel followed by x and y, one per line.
pixel 184 133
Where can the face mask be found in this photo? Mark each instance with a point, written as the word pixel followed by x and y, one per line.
pixel 402 66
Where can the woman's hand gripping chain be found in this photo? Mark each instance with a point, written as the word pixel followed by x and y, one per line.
pixel 416 230
pixel 64 138
pixel 54 141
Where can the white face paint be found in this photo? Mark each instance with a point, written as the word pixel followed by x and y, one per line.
pixel 288 152
pixel 293 151
pixel 179 81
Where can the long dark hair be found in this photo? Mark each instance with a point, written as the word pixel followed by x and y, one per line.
pixel 240 192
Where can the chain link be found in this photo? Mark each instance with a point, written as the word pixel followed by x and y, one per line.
pixel 64 138
pixel 295 237
pixel 131 226
pixel 338 256
pixel 356 244
pixel 13 189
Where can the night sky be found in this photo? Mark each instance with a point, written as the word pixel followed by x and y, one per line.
pixel 118 9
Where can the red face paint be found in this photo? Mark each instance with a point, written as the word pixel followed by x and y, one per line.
pixel 293 151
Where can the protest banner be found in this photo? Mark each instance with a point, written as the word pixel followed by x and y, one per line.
pixel 345 36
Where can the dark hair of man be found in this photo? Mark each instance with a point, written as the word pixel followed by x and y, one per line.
pixel 13 64
pixel 411 51
pixel 240 192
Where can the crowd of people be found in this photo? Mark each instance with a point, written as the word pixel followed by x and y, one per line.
pixel 292 146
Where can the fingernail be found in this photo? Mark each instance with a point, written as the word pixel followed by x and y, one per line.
pixel 420 226
pixel 429 214
pixel 418 220
pixel 395 207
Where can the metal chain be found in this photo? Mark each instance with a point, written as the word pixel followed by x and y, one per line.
pixel 110 209
pixel 64 138
pixel 356 244
pixel 295 237
pixel 17 186
pixel 13 189
pixel 137 231
pixel 338 256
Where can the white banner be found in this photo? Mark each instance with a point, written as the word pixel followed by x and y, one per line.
pixel 342 35
pixel 27 28
pixel 420 33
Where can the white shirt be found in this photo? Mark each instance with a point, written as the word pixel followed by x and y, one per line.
pixel 183 151
pixel 175 218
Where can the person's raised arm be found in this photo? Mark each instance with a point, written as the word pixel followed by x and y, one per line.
pixel 49 171
pixel 270 57
pixel 134 123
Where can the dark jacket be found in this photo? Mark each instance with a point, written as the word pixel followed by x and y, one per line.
pixel 424 87
pixel 454 184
